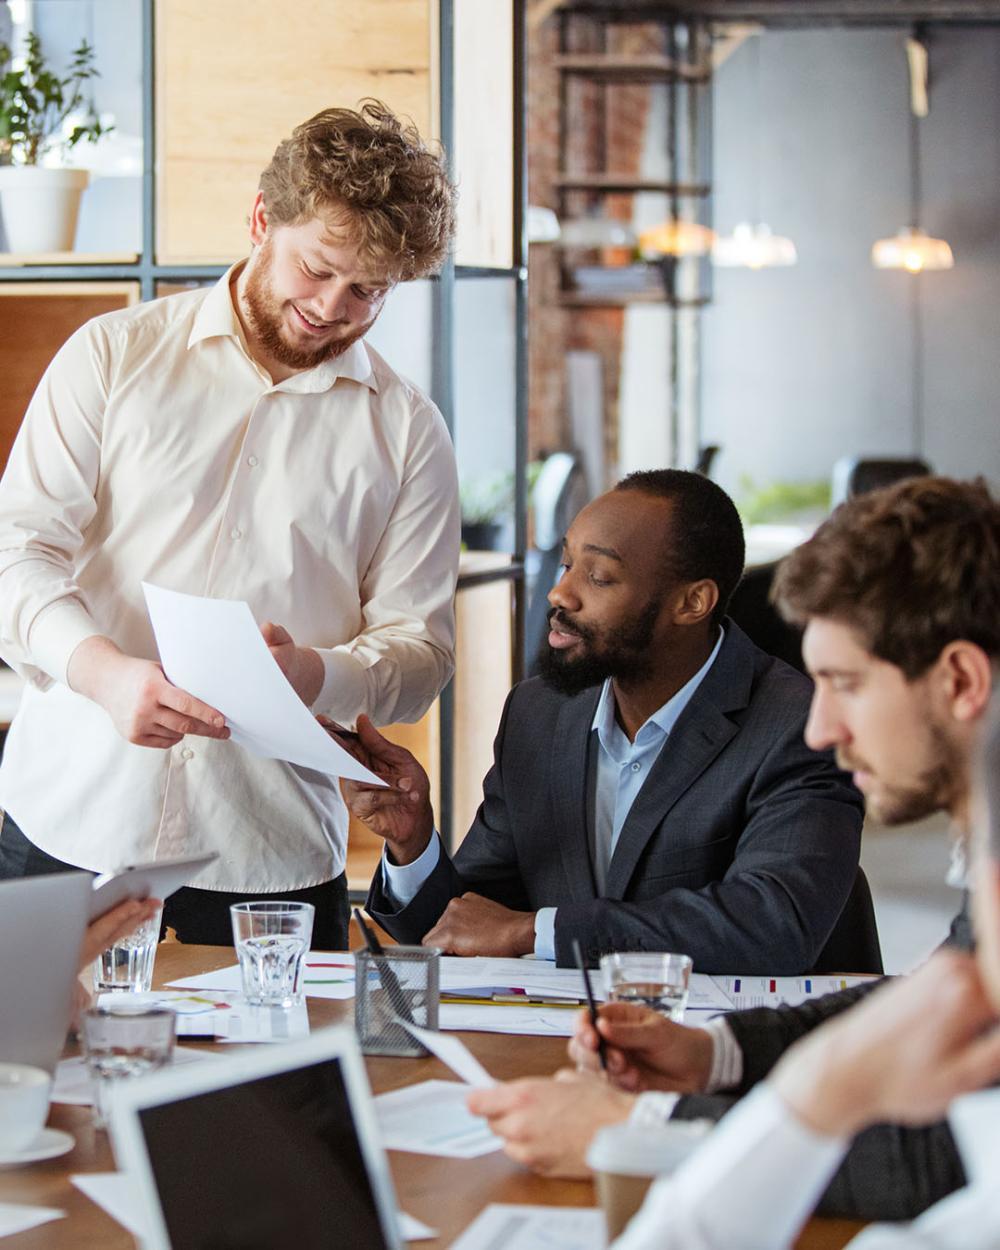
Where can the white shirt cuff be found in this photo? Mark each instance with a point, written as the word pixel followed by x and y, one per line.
pixel 56 633
pixel 344 692
pixel 752 1183
pixel 403 881
pixel 545 933
pixel 727 1056
pixel 653 1109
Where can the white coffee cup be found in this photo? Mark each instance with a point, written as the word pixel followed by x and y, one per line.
pixel 24 1105
pixel 627 1158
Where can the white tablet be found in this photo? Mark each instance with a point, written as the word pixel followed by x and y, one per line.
pixel 158 879
pixel 277 1146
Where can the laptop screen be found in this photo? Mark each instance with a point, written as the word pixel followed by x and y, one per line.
pixel 270 1162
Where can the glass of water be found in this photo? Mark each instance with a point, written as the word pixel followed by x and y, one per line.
pixel 123 1040
pixel 656 980
pixel 271 940
pixel 128 964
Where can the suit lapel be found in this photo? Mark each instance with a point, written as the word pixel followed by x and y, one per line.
pixel 702 731
pixel 569 792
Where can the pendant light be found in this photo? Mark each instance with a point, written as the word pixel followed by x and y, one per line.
pixel 912 248
pixel 753 244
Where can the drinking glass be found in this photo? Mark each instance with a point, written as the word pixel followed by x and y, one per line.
pixel 659 981
pixel 271 940
pixel 120 1041
pixel 128 964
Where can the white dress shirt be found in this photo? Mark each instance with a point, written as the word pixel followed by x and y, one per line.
pixel 760 1173
pixel 622 768
pixel 156 449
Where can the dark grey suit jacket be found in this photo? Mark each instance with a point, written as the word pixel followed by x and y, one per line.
pixel 890 1172
pixel 740 849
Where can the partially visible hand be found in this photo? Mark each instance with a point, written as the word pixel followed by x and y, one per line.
pixel 900 1055
pixel 302 666
pixel 114 924
pixel 473 925
pixel 145 708
pixel 400 813
pixel 547 1124
pixel 644 1049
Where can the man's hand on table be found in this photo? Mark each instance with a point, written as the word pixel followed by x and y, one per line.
pixel 145 708
pixel 473 925
pixel 644 1049
pixel 302 666
pixel 547 1124
pixel 901 1055
pixel 402 813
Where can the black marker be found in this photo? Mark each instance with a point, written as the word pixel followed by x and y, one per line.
pixel 591 1005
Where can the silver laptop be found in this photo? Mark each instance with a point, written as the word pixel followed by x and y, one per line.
pixel 276 1146
pixel 42 921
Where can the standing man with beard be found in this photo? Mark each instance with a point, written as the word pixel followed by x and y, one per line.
pixel 652 789
pixel 238 442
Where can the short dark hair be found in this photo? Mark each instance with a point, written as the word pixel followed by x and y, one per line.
pixel 909 568
pixel 705 539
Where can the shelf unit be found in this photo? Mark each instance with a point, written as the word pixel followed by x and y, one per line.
pixel 427 58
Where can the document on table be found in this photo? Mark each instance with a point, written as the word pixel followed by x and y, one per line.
pixel 328 974
pixel 214 649
pixel 532 978
pixel 526 1021
pixel 432 1119
pixel 17 1217
pixel 535 1228
pixel 226 1018
pixel 744 992
pixel 453 1052
pixel 72 1081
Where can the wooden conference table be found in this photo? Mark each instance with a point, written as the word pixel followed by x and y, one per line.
pixel 447 1194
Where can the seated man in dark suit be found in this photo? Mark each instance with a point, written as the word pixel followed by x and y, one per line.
pixel 899 592
pixel 652 790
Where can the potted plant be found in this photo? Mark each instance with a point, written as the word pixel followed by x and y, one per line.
pixel 41 116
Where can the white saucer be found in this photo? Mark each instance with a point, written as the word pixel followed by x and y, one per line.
pixel 49 1144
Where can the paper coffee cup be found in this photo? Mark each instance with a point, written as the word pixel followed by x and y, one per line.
pixel 24 1105
pixel 627 1158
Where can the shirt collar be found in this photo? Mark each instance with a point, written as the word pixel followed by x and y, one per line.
pixel 663 719
pixel 216 318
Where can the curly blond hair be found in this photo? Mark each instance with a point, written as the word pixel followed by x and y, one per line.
pixel 372 176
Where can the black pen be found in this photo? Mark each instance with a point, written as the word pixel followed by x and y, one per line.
pixel 392 987
pixel 602 1053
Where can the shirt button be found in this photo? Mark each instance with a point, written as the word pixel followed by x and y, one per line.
pixel 252 461
pixel 236 533
pixel 637 768
pixel 187 754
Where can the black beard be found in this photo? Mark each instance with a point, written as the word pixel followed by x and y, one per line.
pixel 624 655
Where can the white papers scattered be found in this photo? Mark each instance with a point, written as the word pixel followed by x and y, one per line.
pixel 17 1218
pixel 411 1229
pixel 432 1119
pixel 226 1017
pixel 526 1021
pixel 705 994
pixel 454 1052
pixel 72 1084
pixel 538 978
pixel 745 992
pixel 118 1195
pixel 535 1228
pixel 327 974
pixel 213 649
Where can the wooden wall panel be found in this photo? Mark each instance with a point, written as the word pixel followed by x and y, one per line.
pixel 235 76
pixel 36 318
pixel 484 132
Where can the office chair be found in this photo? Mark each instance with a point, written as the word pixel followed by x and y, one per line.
pixel 854 475
pixel 853 946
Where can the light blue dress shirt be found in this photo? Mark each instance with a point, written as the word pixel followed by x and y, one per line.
pixel 622 768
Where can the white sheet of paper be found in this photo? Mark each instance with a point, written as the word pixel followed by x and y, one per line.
pixel 432 1119
pixel 535 1228
pixel 328 974
pixel 535 976
pixel 18 1218
pixel 412 1229
pixel 72 1084
pixel 705 994
pixel 454 1052
pixel 527 1021
pixel 744 992
pixel 213 648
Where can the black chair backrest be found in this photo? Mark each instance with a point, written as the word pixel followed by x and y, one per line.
pixel 853 946
pixel 869 475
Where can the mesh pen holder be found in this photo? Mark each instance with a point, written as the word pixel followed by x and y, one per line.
pixel 403 983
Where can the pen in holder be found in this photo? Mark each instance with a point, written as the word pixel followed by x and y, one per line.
pixel 391 986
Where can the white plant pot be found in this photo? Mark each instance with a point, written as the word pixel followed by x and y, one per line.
pixel 40 206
